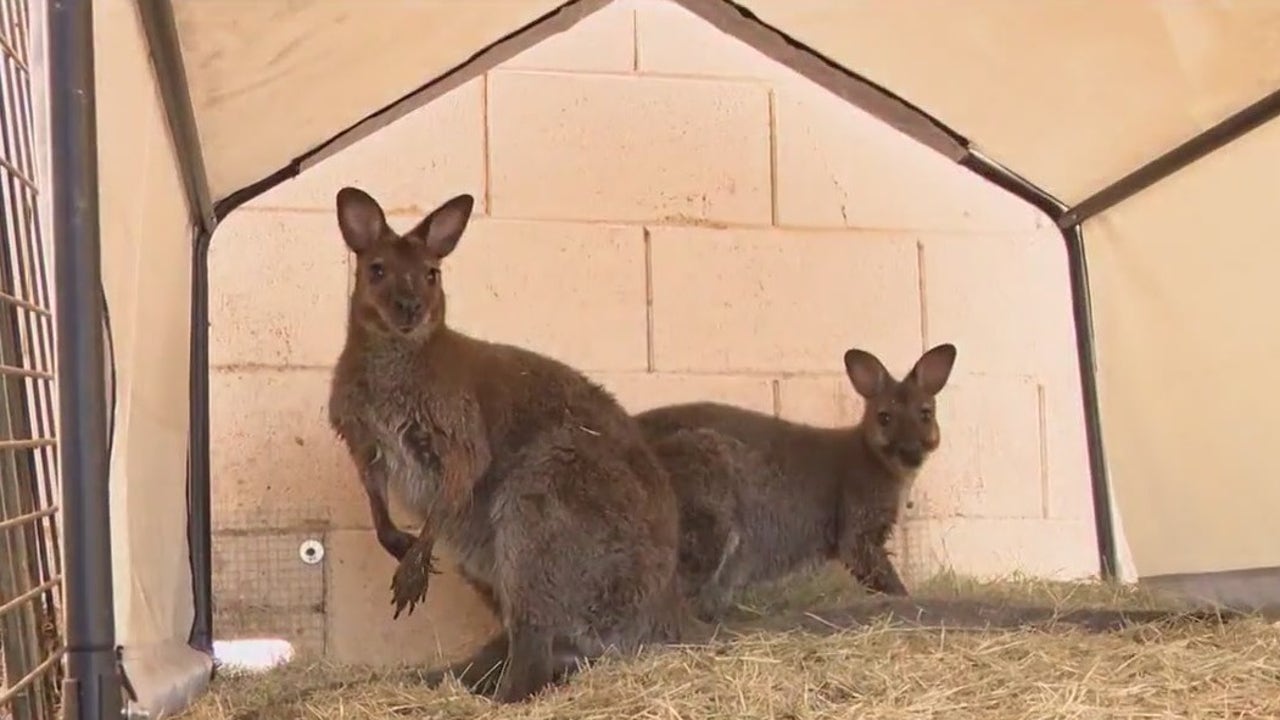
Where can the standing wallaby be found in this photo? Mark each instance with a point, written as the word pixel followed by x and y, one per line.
pixel 558 512
pixel 761 497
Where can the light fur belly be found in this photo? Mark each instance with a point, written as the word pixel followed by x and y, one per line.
pixel 411 480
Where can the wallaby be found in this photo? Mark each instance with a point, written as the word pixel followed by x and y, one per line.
pixel 761 497
pixel 541 483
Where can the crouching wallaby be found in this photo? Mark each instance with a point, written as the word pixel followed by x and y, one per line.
pixel 544 487
pixel 761 497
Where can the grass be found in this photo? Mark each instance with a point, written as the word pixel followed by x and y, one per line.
pixel 1176 669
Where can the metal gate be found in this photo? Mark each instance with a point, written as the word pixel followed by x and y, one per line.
pixel 31 649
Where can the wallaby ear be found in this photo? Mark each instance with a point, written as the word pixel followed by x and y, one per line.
pixel 933 368
pixel 868 374
pixel 360 218
pixel 442 229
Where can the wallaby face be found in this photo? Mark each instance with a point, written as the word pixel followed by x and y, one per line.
pixel 899 423
pixel 399 287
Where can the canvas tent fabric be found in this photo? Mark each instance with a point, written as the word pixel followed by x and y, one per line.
pixel 202 104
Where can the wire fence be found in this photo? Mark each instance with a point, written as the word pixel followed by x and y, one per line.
pixel 31 647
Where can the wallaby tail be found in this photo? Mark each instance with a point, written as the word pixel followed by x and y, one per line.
pixel 967 615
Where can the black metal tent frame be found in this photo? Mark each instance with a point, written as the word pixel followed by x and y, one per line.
pixel 93 684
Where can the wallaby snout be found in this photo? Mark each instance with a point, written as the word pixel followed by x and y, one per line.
pixel 408 310
pixel 910 452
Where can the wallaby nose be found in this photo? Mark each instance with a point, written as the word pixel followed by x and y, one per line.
pixel 911 453
pixel 408 305
pixel 409 309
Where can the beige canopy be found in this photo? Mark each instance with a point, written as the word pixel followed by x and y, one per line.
pixel 201 104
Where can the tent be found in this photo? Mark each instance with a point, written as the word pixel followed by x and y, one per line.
pixel 1144 129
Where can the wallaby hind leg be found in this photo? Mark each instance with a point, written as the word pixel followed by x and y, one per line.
pixel 717 592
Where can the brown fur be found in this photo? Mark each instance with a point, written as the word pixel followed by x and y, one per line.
pixel 540 482
pixel 761 497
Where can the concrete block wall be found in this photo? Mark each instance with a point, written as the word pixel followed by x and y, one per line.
pixel 683 219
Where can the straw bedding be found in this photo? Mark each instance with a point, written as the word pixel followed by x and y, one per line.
pixel 1176 668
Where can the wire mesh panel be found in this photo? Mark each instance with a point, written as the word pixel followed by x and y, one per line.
pixel 30 555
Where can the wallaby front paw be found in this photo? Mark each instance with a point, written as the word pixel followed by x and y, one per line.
pixel 413 575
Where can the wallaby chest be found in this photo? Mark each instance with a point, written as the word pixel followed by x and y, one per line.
pixel 409 420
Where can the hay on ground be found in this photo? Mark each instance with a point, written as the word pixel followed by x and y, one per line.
pixel 1163 670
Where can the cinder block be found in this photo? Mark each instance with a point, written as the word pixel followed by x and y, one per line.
pixel 838 166
pixel 822 400
pixel 614 148
pixel 452 623
pixel 989 463
pixel 277 290
pixel 972 287
pixel 781 301
pixel 263 569
pixel 410 166
pixel 1070 493
pixel 673 40
pixel 643 391
pixel 992 548
pixel 275 462
pixel 573 291
pixel 604 41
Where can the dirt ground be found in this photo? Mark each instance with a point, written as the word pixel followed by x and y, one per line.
pixel 1174 668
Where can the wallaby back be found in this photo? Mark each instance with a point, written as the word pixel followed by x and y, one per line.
pixel 765 496
pixel 541 483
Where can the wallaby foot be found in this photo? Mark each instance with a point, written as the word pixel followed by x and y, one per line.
pixel 479 673
pixel 484 670
pixel 529 667
pixel 871 567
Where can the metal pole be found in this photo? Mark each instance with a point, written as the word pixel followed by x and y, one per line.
pixel 1082 313
pixel 1082 310
pixel 93 682
pixel 199 511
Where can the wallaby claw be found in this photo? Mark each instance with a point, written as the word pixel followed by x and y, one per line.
pixel 411 579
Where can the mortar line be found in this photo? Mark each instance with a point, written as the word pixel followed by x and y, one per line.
pixel 648 298
pixel 488 163
pixel 326 579
pixel 922 290
pixel 773 159
pixel 635 40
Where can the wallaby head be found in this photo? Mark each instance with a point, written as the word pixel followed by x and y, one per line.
pixel 399 279
pixel 899 422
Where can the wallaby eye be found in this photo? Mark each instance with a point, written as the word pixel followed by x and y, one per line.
pixel 884 418
pixel 376 271
pixel 433 276
pixel 926 414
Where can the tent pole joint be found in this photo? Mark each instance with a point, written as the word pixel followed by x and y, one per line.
pixel 1220 135
pixel 161 29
